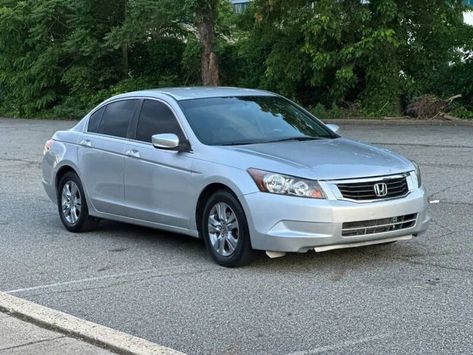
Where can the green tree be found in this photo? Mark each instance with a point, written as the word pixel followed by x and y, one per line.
pixel 32 57
pixel 60 57
pixel 336 52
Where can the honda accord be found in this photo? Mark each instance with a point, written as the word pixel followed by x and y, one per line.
pixel 242 169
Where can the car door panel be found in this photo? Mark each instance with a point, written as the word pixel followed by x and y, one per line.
pixel 102 165
pixel 157 181
pixel 101 155
pixel 157 185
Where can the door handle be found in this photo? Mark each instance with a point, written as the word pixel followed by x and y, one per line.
pixel 133 153
pixel 86 143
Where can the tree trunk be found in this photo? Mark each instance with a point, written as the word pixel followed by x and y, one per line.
pixel 206 27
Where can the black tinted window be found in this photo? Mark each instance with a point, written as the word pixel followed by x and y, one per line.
pixel 116 117
pixel 94 120
pixel 156 118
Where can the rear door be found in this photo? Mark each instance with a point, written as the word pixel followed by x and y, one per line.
pixel 102 155
pixel 157 181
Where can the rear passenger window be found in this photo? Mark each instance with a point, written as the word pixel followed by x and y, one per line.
pixel 156 118
pixel 116 117
pixel 94 120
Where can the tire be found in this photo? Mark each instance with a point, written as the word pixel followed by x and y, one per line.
pixel 229 242
pixel 72 205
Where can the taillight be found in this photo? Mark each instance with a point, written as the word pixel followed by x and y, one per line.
pixel 48 145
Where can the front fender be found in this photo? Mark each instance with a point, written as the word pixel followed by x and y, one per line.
pixel 208 173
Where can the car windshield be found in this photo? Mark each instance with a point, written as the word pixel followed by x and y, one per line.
pixel 250 120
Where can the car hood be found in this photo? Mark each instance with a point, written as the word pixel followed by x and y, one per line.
pixel 324 159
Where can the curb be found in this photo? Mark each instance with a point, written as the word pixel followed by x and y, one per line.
pixel 413 122
pixel 89 332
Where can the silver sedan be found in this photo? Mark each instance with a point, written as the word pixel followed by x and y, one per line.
pixel 242 169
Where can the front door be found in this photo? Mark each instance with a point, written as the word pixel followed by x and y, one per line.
pixel 157 181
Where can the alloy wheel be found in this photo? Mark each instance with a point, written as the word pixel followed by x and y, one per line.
pixel 223 229
pixel 71 202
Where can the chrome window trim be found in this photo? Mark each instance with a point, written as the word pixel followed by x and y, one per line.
pixel 103 104
pixel 107 136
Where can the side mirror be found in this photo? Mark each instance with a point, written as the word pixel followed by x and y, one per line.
pixel 169 141
pixel 333 127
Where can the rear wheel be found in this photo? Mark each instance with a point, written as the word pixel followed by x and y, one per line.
pixel 225 230
pixel 72 205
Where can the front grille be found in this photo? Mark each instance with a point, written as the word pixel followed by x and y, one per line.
pixel 365 190
pixel 373 226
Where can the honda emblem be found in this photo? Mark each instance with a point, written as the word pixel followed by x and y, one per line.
pixel 380 189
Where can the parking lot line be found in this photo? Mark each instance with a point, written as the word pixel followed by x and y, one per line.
pixel 99 278
pixel 341 345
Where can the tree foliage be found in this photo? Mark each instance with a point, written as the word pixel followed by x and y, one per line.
pixel 60 57
pixel 378 53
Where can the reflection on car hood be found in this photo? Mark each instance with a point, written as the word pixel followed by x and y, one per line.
pixel 331 158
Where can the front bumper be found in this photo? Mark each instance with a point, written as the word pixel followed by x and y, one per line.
pixel 294 224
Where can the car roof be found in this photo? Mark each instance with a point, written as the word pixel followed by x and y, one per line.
pixel 199 92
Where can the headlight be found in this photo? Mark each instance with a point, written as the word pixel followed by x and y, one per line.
pixel 418 174
pixel 286 185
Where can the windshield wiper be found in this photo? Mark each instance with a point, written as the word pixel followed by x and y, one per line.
pixel 300 139
pixel 234 143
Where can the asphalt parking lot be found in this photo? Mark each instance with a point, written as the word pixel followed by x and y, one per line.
pixel 412 297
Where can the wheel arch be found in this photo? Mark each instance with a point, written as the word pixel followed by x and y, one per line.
pixel 208 191
pixel 63 170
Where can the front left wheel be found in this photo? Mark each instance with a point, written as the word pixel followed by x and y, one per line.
pixel 225 230
pixel 72 205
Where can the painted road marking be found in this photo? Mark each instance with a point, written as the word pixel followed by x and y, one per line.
pixel 166 271
pixel 341 345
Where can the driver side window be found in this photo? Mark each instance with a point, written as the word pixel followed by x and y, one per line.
pixel 156 118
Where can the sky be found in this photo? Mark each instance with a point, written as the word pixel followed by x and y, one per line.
pixel 468 17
